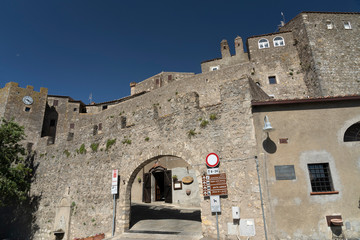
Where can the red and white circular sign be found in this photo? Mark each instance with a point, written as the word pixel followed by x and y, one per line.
pixel 212 160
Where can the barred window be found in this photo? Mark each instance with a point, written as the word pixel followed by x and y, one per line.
pixel 320 177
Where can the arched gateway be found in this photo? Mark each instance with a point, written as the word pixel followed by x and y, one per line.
pixel 163 189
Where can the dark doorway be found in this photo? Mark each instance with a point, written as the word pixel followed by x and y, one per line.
pixel 162 187
pixel 159 186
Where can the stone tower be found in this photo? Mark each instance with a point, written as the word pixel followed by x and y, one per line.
pixel 225 51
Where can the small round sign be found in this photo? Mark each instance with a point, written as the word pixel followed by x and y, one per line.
pixel 212 160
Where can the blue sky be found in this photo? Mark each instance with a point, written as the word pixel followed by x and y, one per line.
pixel 78 47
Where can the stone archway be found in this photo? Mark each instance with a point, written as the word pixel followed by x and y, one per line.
pixel 185 198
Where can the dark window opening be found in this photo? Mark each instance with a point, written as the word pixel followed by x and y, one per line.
pixel 70 136
pixel 52 122
pixel 272 80
pixel 169 77
pixel 95 130
pixel 55 103
pixel 72 125
pixel 75 109
pixel 104 107
pixel 123 122
pixel 352 133
pixel 100 126
pixel 258 83
pixel 224 47
pixel 320 177
pixel 27 109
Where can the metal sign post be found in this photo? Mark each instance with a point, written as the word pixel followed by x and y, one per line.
pixel 215 207
pixel 114 191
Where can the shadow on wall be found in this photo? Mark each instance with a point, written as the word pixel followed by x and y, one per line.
pixel 18 221
pixel 269 145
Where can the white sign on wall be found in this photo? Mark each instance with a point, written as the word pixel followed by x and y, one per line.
pixel 215 203
pixel 114 181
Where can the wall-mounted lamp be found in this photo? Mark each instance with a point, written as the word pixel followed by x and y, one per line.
pixel 267 125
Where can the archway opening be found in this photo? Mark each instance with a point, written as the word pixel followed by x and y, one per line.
pixel 160 201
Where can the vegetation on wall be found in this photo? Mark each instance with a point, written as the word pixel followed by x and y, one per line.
pixel 94 147
pixel 109 143
pixel 191 133
pixel 126 140
pixel 82 149
pixel 213 117
pixel 67 153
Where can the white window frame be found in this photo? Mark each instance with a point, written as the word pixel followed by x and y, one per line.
pixel 347 24
pixel 280 41
pixel 263 44
pixel 329 24
pixel 214 68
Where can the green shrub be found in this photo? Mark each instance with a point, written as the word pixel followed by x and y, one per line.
pixel 204 123
pixel 109 143
pixel 191 133
pixel 147 139
pixel 94 147
pixel 82 149
pixel 213 117
pixel 126 140
pixel 67 153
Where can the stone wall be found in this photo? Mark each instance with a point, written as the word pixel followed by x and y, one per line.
pixel 281 62
pixel 157 81
pixel 329 57
pixel 167 124
pixel 31 116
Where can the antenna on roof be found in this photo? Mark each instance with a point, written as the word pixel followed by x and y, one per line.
pixel 282 23
pixel 90 98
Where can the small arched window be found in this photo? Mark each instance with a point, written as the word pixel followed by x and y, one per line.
pixel 279 41
pixel 352 133
pixel 263 43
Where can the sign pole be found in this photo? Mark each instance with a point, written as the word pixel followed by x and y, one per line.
pixel 113 224
pixel 217 226
pixel 114 191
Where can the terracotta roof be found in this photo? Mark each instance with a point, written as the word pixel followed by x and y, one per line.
pixel 305 100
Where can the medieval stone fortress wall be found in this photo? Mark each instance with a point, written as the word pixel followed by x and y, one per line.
pixel 183 117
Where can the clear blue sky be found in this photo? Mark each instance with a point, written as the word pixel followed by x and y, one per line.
pixel 78 47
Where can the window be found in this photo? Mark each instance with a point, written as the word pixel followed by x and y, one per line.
pixel 272 80
pixel 329 24
pixel 214 68
pixel 72 125
pixel 52 122
pixel 263 43
pixel 104 107
pixel 352 133
pixel 169 77
pixel 279 41
pixel 347 25
pixel 27 109
pixel 320 177
pixel 55 103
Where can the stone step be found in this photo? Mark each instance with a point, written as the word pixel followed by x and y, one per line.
pixel 141 236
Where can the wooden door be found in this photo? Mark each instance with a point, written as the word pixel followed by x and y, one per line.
pixel 167 186
pixel 147 188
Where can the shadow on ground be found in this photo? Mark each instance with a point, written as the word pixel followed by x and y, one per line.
pixel 141 212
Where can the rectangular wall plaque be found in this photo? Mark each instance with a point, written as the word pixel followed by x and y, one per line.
pixel 285 172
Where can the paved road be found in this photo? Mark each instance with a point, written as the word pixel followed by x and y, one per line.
pixel 162 221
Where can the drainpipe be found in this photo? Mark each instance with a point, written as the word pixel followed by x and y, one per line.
pixel 261 199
